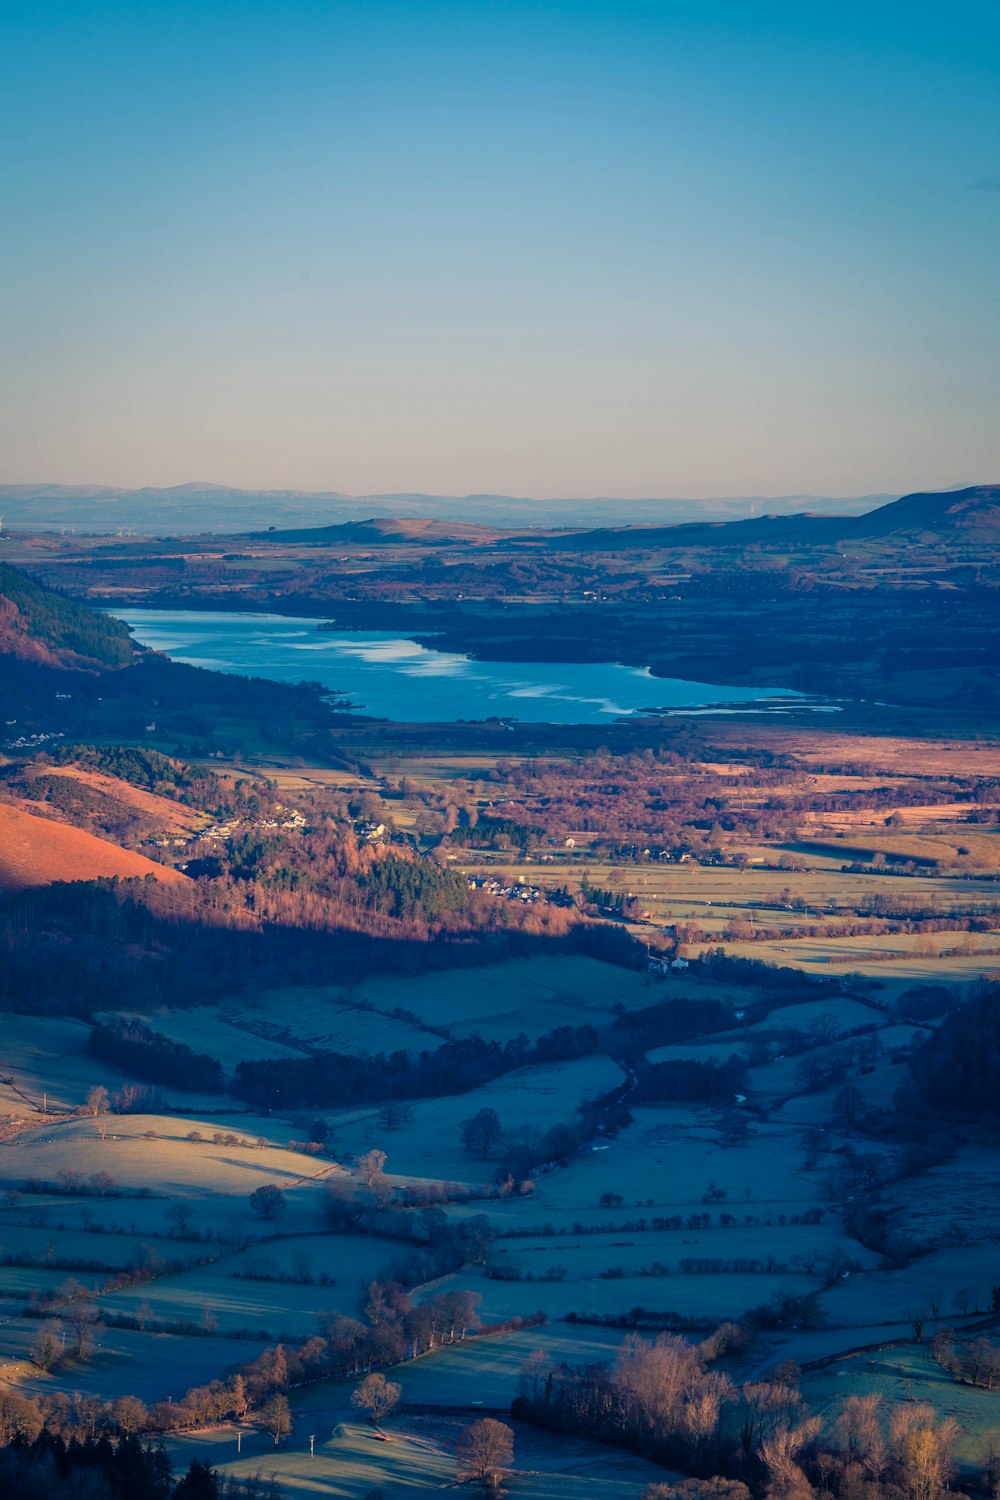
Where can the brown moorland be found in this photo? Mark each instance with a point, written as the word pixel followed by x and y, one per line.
pixel 160 813
pixel 39 851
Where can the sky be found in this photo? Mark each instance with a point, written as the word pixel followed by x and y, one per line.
pixel 560 249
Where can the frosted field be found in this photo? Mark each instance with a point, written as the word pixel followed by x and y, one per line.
pixel 279 1308
pixel 834 1017
pixel 531 995
pixel 670 1154
pixel 415 1457
pixel 588 1255
pixel 712 1299
pixel 285 1023
pixel 908 1374
pixel 842 1012
pixel 46 1055
pixel 152 1366
pixel 964 1191
pixel 215 1030
pixel 429 1146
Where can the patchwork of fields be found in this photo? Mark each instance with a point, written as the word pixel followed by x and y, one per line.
pixel 673 1216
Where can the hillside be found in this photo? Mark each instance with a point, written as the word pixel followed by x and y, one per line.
pixel 801 528
pixel 971 514
pixel 38 625
pixel 39 851
pixel 380 531
pixel 101 804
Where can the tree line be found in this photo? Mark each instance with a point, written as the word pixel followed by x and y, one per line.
pixel 136 1048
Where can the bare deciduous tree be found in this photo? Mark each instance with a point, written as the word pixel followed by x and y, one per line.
pixel 180 1218
pixel 394 1113
pixel 275 1417
pixel 485 1453
pixel 370 1166
pixel 482 1133
pixel 377 1396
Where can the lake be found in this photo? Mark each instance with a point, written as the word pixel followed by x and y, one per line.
pixel 391 677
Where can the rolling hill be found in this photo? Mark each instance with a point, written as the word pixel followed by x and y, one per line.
pixel 971 514
pixel 380 531
pixel 39 851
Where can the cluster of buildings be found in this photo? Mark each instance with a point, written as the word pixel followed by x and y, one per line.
pixel 519 891
pixel 216 832
pixel 31 741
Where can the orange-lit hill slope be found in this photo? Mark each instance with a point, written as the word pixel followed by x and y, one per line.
pixel 38 851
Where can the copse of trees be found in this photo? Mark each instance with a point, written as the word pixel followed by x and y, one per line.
pixel 955 1073
pixel 135 1048
pixel 406 888
pixel 336 1078
pixel 680 1079
pixel 488 832
pixel 41 1464
pixel 677 1019
pixel 664 1399
pixel 971 1361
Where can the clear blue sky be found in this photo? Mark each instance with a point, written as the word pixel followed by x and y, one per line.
pixel 559 249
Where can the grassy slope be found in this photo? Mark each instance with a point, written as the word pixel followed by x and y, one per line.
pixel 39 851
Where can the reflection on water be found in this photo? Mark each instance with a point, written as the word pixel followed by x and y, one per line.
pixel 392 677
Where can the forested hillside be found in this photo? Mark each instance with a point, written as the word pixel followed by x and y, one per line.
pixel 39 625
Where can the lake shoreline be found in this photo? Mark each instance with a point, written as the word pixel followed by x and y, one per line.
pixel 403 677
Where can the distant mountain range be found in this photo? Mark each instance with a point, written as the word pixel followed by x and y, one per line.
pixel 200 507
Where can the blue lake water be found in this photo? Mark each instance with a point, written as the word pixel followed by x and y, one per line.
pixel 390 677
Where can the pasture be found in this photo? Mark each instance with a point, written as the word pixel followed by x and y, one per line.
pixel 539 1096
pixel 236 1302
pixel 894 959
pixel 414 1454
pixel 523 995
pixel 152 1366
pixel 906 1374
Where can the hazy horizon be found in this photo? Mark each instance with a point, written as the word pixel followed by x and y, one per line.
pixel 198 486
